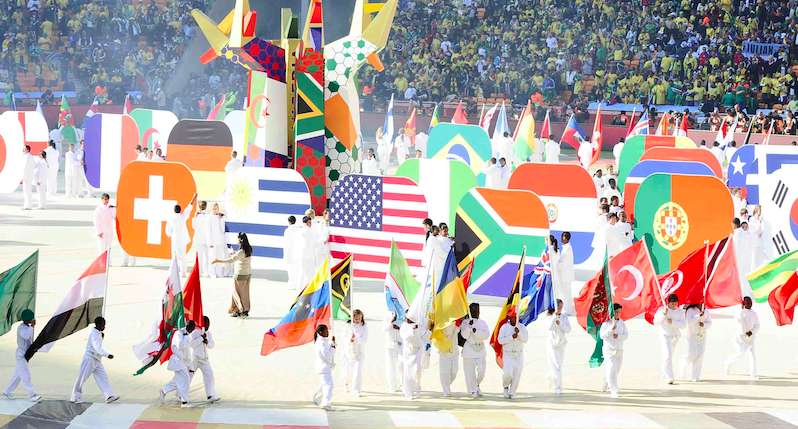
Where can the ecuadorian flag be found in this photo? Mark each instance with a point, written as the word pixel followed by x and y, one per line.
pixel 449 303
pixel 311 309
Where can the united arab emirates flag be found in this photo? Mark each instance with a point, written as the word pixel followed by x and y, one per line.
pixel 341 277
pixel 81 305
pixel 594 307
pixel 18 291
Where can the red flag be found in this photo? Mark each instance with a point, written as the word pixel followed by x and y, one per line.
pixel 686 281
pixel 683 126
pixel 597 139
pixel 545 130
pixel 465 275
pixel 459 115
pixel 630 124
pixel 508 311
pixel 410 127
pixel 128 106
pixel 634 280
pixel 783 300
pixel 723 280
pixel 662 128
pixel 192 297
pixel 594 307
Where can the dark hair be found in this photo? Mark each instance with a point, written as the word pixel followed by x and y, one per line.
pixel 616 306
pixel 190 325
pixel 104 196
pixel 206 321
pixel 27 147
pixel 319 330
pixel 673 298
pixel 427 222
pixel 689 306
pixel 566 234
pixel 291 220
pixel 244 242
pixel 177 208
pixel 43 154
pixel 203 205
pixel 554 243
pixel 471 307
pixel 99 320
pixel 305 219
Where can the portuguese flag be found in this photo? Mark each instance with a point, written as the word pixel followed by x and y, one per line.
pixel 594 307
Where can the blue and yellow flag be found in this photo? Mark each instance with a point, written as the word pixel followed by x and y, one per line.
pixel 449 303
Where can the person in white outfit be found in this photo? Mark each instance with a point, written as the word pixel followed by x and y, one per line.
pixel 22 368
pixel 492 174
pixel 201 226
pixel 179 363
pixel 309 251
pixel 292 253
pixel 448 364
pixel 104 223
pixel 370 166
pixel 504 171
pixel 28 179
pixel 230 168
pixel 616 152
pixel 40 177
pixel 356 352
pixel 698 320
pixel 585 153
pixel 217 243
pixel 669 321
pixel 552 152
pixel 53 158
pixel 325 362
pixel 92 365
pixel 394 367
pixel 558 326
pixel 615 234
pixel 412 335
pixel 565 273
pixel 71 166
pixel 201 340
pixel 402 145
pixel 177 231
pixel 512 337
pixel 475 332
pixel 748 322
pixel 613 333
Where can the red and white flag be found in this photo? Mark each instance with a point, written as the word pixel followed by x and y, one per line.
pixel 634 280
pixel 487 118
pixel 597 138
pixel 545 130
pixel 128 105
pixel 682 130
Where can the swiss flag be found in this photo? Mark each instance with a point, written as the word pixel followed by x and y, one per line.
pixel 634 281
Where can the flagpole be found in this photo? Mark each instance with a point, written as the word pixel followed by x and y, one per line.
pixel 706 282
pixel 107 278
pixel 520 284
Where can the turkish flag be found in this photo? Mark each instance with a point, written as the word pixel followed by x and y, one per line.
pixel 783 300
pixel 634 281
pixel 686 281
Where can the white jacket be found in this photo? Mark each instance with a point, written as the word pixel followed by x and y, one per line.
pixel 475 336
pixel 412 338
pixel 450 332
pixel 24 339
pixel 694 317
pixel 613 345
pixel 558 333
pixel 198 348
pixel 357 347
pixel 94 347
pixel 181 351
pixel 392 338
pixel 677 318
pixel 748 321
pixel 325 355
pixel 510 345
pixel 201 226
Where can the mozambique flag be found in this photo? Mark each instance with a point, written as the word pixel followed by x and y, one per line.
pixel 772 275
pixel 341 279
pixel 594 307
pixel 449 303
pixel 18 291
pixel 311 309
pixel 509 309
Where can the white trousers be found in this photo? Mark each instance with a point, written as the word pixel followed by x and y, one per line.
pixel 27 194
pixel 744 348
pixel 42 191
pixel 354 373
pixel 474 370
pixel 21 374
pixel 208 380
pixel 695 358
pixel 128 260
pixel 181 261
pixel 447 370
pixel 612 367
pixel 91 367
pixel 511 370
pixel 202 258
pixel 324 395
pixel 668 349
pixel 180 383
pixel 52 180
pixel 393 368
pixel 556 355
pixel 563 292
pixel 410 374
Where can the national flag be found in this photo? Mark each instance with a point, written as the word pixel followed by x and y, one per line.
pixel 18 291
pixel 641 128
pixel 421 305
pixel 401 287
pixel 435 117
pixel 502 126
pixel 157 347
pixel 128 106
pixel 680 154
pixel 594 306
pixel 12 158
pixel 444 183
pixel 545 130
pixel 34 130
pixel 368 213
pixel 525 141
pixel 682 130
pixel 459 116
pixel 783 300
pixel 467 143
pixel 728 137
pixel 597 137
pixel 637 145
pixel 664 125
pixel 82 304
pixel 410 127
pixel 781 206
pixel 216 113
pixel 750 165
pixel 486 119
pixel 770 276
pixel 192 296
pixel 387 125
pixel 572 134
pixel 266 120
pixel 646 168
pixel 465 274
pixel 94 108
pixel 449 302
pixel 341 287
pixel 311 309
pixel 509 310
pixel 154 128
pixel 204 147
pixel 537 292
pixel 65 113
pixel 631 122
pixel 110 145
pixel 634 281
pixel 675 220
pixel 259 201
pixel 493 225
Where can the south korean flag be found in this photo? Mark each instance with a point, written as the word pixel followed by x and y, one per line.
pixel 780 210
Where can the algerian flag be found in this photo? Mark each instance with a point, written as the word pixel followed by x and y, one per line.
pixel 266 116
pixel 154 127
pixel 401 287
pixel 18 291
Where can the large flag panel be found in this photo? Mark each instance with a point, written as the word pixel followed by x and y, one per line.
pixel 267 115
pixel 750 164
pixel 18 291
pixel 779 202
pixel 367 212
pixel 645 168
pixel 12 160
pixel 110 145
pixel 154 127
pixel 259 203
pixel 467 143
pixel 205 147
pixel 34 130
pixel 772 275
pixel 635 146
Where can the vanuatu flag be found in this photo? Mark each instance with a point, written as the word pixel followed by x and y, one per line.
pixel 675 220
pixel 341 283
pixel 594 307
pixel 18 291
pixel 772 275
pixel 311 309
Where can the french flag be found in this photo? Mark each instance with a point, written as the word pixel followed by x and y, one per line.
pixel 573 133
pixel 110 145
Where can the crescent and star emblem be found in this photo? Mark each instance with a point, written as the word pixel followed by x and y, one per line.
pixel 638 276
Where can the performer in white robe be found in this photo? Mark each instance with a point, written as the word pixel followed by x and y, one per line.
pixel 309 251
pixel 558 327
pixel 40 177
pixel 402 145
pixel 83 189
pixel 743 254
pixel 356 353
pixel 384 149
pixel 21 374
pixel 394 367
pixel 616 152
pixel 565 272
pixel 92 365
pixel 370 165
pixel 71 166
pixel 613 333
pixel 292 253
pixel 698 321
pixel 492 174
pixel 325 362
pixel 585 153
pixel 504 173
pixel 512 337
pixel 757 227
pixel 504 146
pixel 448 364
pixel 201 340
pixel 552 152
pixel 230 169
pixel 669 321
pixel 539 150
pixel 53 159
pixel 201 225
pixel 104 223
pixel 28 179
pixel 747 330
pixel 179 363
pixel 475 331
pixel 217 243
pixel 177 231
pixel 412 335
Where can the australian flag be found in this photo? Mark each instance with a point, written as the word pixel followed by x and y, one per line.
pixel 537 294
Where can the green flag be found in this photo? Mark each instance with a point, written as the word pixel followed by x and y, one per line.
pixel 18 291
pixel 401 287
pixel 341 279
pixel 593 308
pixel 435 117
pixel 772 275
pixel 158 348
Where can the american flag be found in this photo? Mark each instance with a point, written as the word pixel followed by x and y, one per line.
pixel 367 212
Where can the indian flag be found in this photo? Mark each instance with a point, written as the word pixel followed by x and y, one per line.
pixel 266 118
pixel 154 127
pixel 772 275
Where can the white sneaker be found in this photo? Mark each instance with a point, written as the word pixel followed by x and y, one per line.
pixel 36 398
pixel 185 405
pixel 213 399
pixel 112 398
pixel 161 396
pixel 506 393
pixel 614 395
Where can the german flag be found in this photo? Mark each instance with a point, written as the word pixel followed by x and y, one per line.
pixel 205 147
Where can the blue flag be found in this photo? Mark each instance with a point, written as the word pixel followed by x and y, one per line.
pixel 537 294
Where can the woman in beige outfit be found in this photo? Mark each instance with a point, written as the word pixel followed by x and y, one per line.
pixel 241 276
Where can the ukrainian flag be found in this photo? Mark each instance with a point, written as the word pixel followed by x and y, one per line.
pixel 449 303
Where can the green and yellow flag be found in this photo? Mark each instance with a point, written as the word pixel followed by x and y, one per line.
pixel 341 278
pixel 772 275
pixel 18 291
pixel 435 117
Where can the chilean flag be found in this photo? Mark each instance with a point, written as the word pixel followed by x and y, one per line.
pixel 572 130
pixel 110 145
